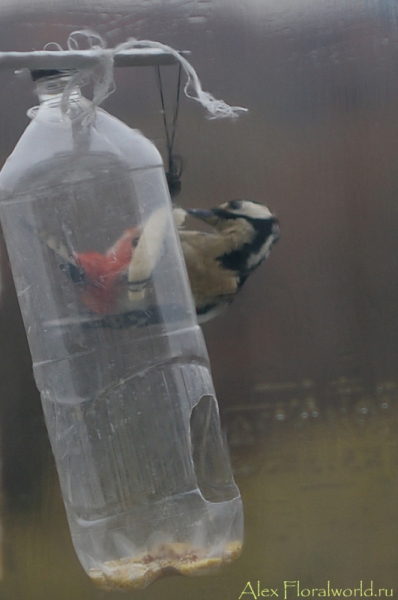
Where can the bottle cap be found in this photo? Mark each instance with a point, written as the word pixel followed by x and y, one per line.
pixel 37 74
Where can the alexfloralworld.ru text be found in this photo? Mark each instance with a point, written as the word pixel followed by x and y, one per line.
pixel 293 589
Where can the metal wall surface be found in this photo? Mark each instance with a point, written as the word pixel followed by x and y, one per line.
pixel 305 361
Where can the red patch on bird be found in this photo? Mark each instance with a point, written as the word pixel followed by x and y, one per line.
pixel 103 284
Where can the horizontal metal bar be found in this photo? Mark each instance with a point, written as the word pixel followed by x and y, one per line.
pixel 144 57
pixel 80 59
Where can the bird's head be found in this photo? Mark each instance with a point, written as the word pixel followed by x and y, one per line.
pixel 252 225
pixel 234 214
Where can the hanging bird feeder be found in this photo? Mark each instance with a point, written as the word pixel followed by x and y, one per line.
pixel 118 356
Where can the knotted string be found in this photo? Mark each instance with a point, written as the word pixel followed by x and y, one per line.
pixel 101 75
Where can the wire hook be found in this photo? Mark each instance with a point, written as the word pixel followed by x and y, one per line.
pixel 174 162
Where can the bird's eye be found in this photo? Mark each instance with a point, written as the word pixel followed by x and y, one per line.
pixel 235 204
pixel 135 241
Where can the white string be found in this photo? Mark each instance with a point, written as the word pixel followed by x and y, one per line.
pixel 217 109
pixel 58 47
pixel 102 74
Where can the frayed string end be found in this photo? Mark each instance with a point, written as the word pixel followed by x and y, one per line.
pixel 217 109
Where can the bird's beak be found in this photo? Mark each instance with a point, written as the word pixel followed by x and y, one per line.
pixel 205 215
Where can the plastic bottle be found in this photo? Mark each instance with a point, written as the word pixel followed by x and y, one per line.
pixel 124 377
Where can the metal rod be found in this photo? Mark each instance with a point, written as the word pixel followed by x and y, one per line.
pixel 80 59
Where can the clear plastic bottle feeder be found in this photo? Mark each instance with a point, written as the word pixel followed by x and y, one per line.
pixel 118 356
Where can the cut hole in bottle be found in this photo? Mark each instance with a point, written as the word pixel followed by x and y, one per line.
pixel 209 453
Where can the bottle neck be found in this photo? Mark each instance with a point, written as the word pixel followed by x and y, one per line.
pixel 70 110
pixel 50 90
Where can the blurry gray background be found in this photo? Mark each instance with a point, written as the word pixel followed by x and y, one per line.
pixel 305 362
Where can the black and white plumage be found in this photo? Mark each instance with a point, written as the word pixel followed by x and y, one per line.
pixel 113 285
pixel 218 263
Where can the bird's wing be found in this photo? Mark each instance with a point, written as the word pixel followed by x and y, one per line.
pixel 210 283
